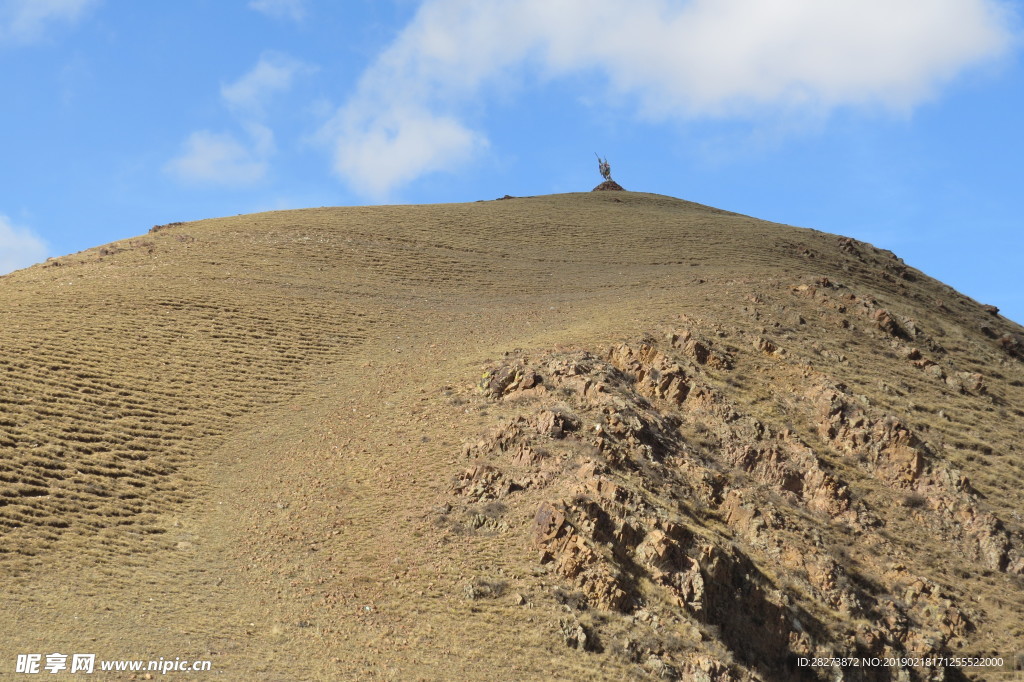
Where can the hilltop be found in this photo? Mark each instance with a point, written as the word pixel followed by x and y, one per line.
pixel 602 435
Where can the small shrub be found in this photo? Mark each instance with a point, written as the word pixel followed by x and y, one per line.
pixel 484 589
pixel 914 501
pixel 573 599
pixel 493 509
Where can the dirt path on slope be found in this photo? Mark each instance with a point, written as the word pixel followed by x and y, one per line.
pixel 329 521
pixel 313 549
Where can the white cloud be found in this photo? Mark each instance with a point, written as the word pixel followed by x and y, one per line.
pixel 280 9
pixel 24 21
pixel 19 247
pixel 222 159
pixel 273 73
pixel 394 147
pixel 673 58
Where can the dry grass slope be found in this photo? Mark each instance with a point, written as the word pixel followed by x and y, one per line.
pixel 264 441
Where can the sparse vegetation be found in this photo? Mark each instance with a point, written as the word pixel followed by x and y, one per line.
pixel 914 501
pixel 240 435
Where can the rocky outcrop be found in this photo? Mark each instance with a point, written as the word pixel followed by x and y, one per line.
pixel 901 334
pixel 898 456
pixel 894 452
pixel 656 497
pixel 775 458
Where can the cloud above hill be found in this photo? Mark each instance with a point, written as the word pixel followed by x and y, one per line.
pixel 210 158
pixel 25 21
pixel 226 159
pixel 19 247
pixel 671 59
pixel 273 73
pixel 280 9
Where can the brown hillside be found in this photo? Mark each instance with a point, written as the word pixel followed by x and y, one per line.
pixel 583 436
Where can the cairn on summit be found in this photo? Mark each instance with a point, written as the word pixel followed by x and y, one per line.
pixel 605 169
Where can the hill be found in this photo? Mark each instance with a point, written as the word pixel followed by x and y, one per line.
pixel 610 435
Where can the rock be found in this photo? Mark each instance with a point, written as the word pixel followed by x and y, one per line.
pixel 887 323
pixel 608 186
pixel 847 245
pixel 482 482
pixel 554 424
pixel 504 380
pixel 496 383
pixel 968 382
pixel 548 523
pixel 1013 344
pixel 698 349
pixel 659 668
pixel 575 635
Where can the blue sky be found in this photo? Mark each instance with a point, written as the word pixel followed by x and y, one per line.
pixel 893 122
